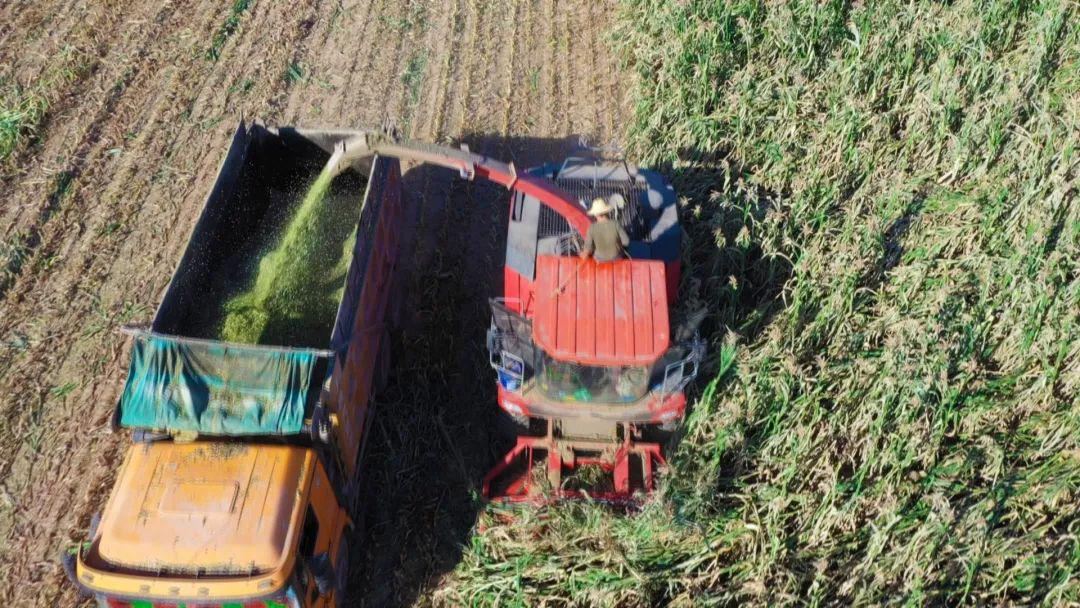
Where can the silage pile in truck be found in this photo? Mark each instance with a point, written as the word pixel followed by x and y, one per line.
pixel 249 404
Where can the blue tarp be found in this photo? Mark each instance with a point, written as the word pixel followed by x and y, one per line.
pixel 216 388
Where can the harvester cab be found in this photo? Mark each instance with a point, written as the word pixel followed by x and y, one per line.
pixel 586 366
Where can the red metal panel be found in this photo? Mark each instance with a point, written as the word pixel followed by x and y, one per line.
pixel 546 277
pixel 641 288
pixel 586 313
pixel 564 293
pixel 623 319
pixel 605 312
pixel 661 323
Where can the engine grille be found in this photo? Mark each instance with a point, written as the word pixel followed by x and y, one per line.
pixel 630 217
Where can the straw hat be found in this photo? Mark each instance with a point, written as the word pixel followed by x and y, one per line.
pixel 600 207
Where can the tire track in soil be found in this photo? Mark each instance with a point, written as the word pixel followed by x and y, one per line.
pixel 366 102
pixel 86 143
pixel 439 47
pixel 547 75
pixel 518 95
pixel 60 126
pixel 70 217
pixel 73 217
pixel 340 71
pixel 461 31
pixel 464 61
pixel 504 71
pixel 482 99
pixel 601 77
pixel 35 35
pixel 395 95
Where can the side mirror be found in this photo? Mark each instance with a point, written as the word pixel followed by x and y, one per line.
pixel 323 571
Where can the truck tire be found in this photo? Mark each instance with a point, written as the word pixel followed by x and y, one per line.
pixel 341 571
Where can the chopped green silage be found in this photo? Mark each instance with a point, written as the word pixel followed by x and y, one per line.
pixel 297 285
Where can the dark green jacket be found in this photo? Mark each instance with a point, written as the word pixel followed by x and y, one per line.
pixel 606 241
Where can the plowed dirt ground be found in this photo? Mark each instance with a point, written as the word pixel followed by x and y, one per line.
pixel 99 205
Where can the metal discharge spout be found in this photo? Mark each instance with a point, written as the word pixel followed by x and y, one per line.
pixel 469 166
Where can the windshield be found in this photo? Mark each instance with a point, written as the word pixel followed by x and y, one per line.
pixel 566 381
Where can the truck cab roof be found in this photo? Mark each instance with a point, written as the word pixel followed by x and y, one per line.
pixel 201 519
pixel 204 508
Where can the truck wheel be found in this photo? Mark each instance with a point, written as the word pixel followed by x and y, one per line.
pixel 341 571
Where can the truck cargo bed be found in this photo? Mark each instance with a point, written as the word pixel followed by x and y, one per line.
pixel 186 375
pixel 258 194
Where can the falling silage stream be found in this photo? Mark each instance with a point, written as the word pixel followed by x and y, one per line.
pixel 297 283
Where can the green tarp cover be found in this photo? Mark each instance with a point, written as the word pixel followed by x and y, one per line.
pixel 177 384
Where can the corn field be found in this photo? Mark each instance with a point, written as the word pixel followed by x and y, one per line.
pixel 880 201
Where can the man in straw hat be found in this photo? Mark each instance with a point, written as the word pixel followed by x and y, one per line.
pixel 605 240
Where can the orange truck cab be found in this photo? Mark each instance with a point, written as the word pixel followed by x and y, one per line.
pixel 218 524
pixel 242 484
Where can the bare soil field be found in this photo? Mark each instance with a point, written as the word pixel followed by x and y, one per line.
pixel 98 201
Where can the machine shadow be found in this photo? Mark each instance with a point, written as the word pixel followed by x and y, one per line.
pixel 433 437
